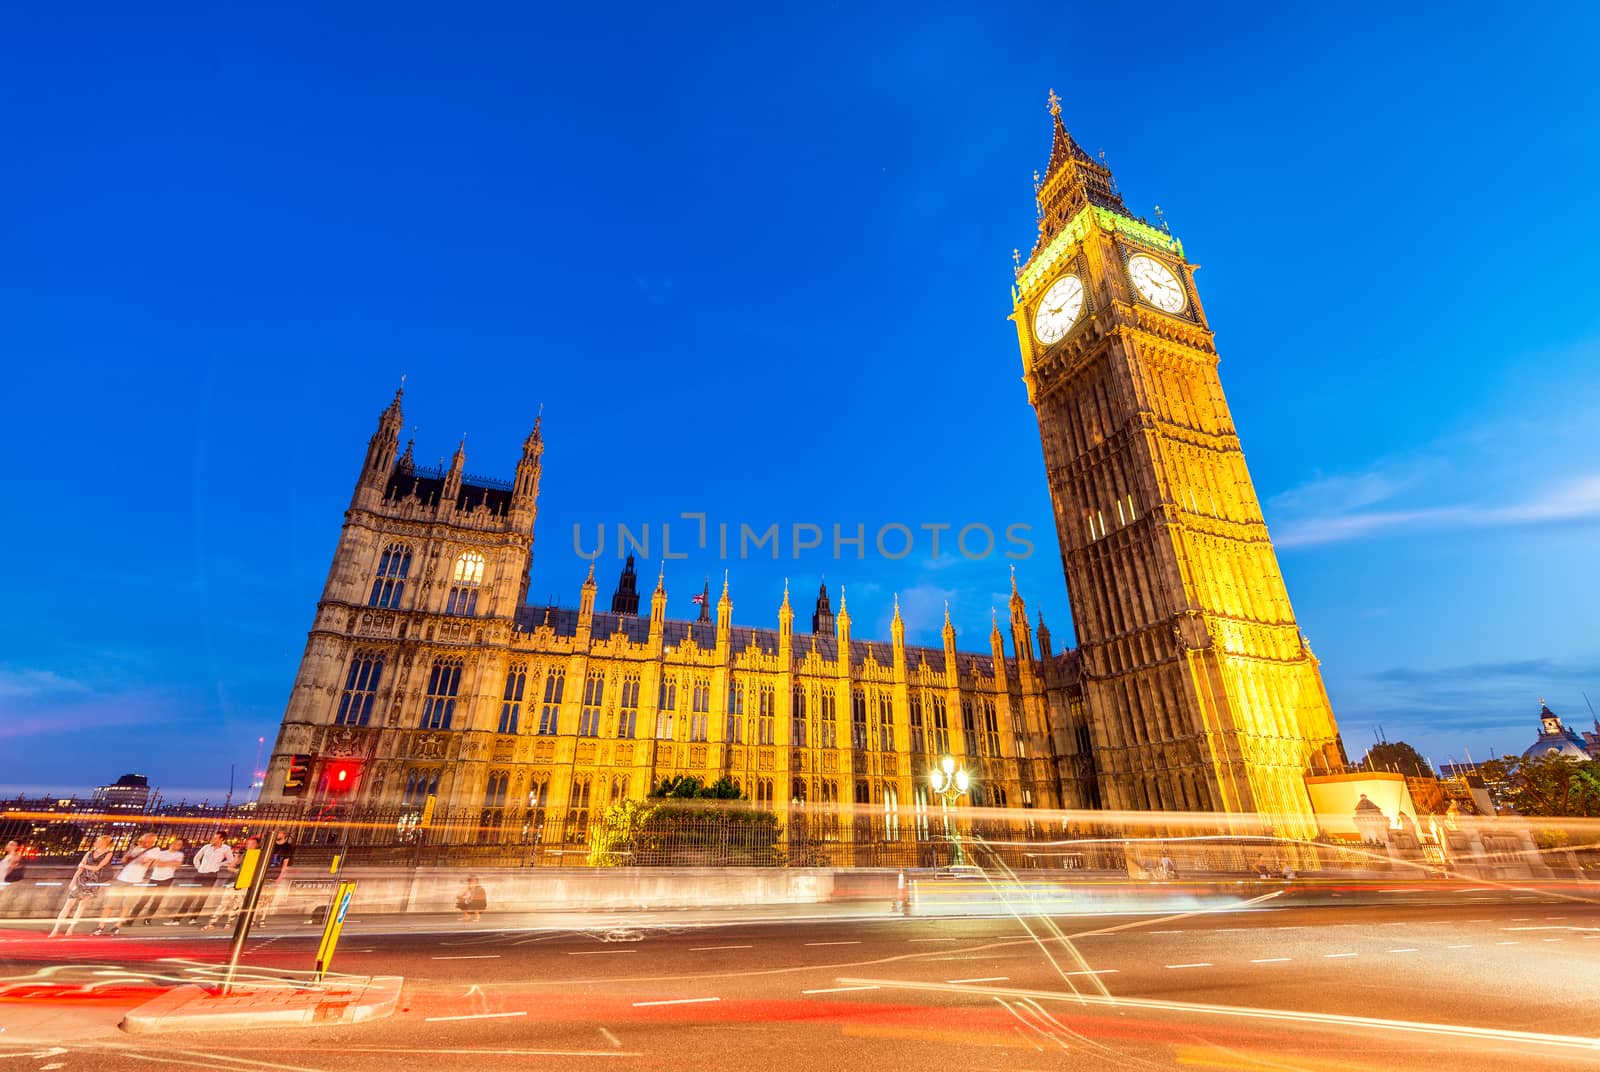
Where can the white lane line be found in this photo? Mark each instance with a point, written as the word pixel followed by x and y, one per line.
pixel 614 1040
pixel 708 948
pixel 1508 943
pixel 1169 932
pixel 1269 960
pixel 1552 939
pixel 675 1001
pixel 985 979
pixel 474 1016
pixel 1555 917
pixel 474 956
pixel 1202 964
pixel 838 989
pixel 1108 971
pixel 932 939
pixel 833 943
pixel 1467 946
pixel 1332 955
pixel 598 952
pixel 1402 950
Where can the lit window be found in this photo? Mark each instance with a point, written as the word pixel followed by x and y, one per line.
pixel 628 709
pixel 666 708
pixel 464 584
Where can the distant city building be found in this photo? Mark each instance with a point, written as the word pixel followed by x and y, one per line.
pixel 131 792
pixel 1556 739
pixel 427 674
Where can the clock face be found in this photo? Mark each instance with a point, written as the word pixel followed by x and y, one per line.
pixel 1059 309
pixel 1156 284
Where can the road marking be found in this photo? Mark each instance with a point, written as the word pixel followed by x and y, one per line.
pixel 838 989
pixel 1109 971
pixel 834 943
pixel 1541 928
pixel 1513 942
pixel 985 979
pixel 475 1016
pixel 708 948
pixel 1169 932
pixel 598 952
pixel 474 956
pixel 1269 960
pixel 614 1040
pixel 675 1001
pixel 1402 950
pixel 1468 946
pixel 1552 939
pixel 932 939
pixel 1202 964
pixel 1555 917
pixel 1331 955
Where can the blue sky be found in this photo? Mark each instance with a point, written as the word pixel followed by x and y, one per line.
pixel 758 266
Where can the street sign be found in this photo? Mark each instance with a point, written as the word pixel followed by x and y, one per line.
pixel 335 924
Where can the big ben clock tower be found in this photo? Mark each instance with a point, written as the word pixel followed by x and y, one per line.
pixel 1200 690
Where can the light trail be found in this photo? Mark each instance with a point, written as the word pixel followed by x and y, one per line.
pixel 1459 1031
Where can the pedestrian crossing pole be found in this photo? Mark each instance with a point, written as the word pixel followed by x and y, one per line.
pixel 252 877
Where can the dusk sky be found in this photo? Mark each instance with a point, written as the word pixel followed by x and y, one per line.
pixel 761 268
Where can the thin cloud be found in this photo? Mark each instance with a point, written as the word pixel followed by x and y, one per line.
pixel 1576 500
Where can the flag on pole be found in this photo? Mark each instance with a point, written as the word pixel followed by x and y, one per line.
pixel 700 598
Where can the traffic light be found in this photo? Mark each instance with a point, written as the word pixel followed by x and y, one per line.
pixel 298 776
pixel 339 777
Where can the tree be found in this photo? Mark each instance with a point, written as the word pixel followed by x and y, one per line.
pixel 1399 757
pixel 1553 786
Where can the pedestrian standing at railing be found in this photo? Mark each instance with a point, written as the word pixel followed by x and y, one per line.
pixel 232 897
pixel 164 866
pixel 90 878
pixel 130 883
pixel 282 852
pixel 209 864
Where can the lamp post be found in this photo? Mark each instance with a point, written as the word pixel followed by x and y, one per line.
pixel 949 783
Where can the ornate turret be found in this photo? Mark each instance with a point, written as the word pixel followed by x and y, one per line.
pixel 1021 635
pixel 525 488
pixel 841 626
pixel 897 635
pixel 724 616
pixel 785 625
pixel 822 617
pixel 382 447
pixel 1045 654
pixel 586 597
pixel 452 479
pixel 625 600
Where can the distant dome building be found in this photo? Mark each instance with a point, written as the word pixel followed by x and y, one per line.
pixel 1555 739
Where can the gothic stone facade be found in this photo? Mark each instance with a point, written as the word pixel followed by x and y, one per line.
pixel 427 673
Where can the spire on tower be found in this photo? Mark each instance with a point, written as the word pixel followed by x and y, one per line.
pixel 1073 181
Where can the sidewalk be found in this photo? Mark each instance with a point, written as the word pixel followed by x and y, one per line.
pixel 337 1000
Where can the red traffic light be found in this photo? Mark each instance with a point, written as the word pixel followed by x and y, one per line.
pixel 339 776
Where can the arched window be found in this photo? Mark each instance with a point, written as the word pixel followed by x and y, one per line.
pixel 628 708
pixel 666 708
pixel 797 732
pixel 420 785
pixel 390 583
pixel 550 712
pixel 443 684
pixel 594 694
pixel 511 703
pixel 494 795
pixel 464 584
pixel 360 688
pixel 578 805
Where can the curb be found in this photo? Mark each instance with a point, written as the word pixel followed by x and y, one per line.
pixel 194 1008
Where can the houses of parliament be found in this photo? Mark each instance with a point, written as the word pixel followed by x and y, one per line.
pixel 428 674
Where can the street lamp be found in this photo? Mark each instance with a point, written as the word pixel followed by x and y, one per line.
pixel 949 783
